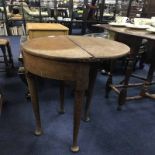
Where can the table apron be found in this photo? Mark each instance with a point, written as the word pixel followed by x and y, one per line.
pixel 58 70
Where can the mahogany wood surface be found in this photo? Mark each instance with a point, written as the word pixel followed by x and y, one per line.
pixel 75 48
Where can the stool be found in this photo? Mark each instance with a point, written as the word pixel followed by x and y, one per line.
pixel 7 55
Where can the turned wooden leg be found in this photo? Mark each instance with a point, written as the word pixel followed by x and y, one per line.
pixel 62 87
pixel 123 92
pixel 21 73
pixel 35 103
pixel 109 81
pixel 79 94
pixel 122 98
pixel 92 79
pixel 151 56
pixel 107 87
pixel 148 80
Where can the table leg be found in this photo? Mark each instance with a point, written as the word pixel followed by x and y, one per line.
pixel 109 81
pixel 62 87
pixel 35 103
pixel 151 58
pixel 79 95
pixel 123 92
pixel 92 79
pixel 21 73
pixel 147 83
pixel 134 48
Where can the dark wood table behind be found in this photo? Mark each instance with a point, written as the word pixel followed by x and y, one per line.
pixel 133 38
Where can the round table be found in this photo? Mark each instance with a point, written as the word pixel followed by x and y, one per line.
pixel 66 58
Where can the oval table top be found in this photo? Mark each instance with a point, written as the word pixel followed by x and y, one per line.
pixel 128 31
pixel 75 48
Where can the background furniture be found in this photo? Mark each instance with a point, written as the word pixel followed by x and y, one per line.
pixel 149 8
pixel 130 37
pixel 76 11
pixel 57 11
pixel 8 62
pixel 35 30
pixel 6 55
